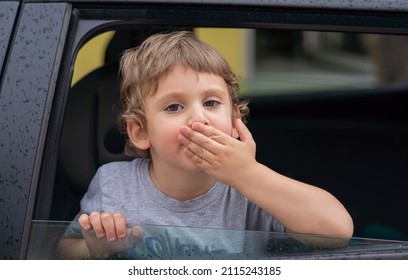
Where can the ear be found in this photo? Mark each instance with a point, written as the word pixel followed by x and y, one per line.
pixel 137 135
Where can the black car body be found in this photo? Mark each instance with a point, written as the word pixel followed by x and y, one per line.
pixel 352 142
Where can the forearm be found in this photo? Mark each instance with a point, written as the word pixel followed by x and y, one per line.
pixel 302 208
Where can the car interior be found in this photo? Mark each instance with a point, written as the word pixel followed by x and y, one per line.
pixel 353 142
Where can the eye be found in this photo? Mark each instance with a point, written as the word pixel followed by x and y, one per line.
pixel 173 107
pixel 211 103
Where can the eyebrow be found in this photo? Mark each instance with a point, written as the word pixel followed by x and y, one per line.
pixel 170 95
pixel 216 90
pixel 179 94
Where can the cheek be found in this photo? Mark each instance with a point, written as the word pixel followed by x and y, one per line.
pixel 223 123
pixel 225 127
pixel 165 135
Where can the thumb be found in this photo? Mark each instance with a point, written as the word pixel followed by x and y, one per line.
pixel 134 233
pixel 243 131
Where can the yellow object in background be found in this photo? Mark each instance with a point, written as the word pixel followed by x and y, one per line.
pixel 232 45
pixel 91 56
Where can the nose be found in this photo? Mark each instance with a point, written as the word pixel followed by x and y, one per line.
pixel 198 114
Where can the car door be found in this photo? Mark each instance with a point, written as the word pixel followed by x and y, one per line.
pixel 29 76
pixel 36 96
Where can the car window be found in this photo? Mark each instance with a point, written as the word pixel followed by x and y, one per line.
pixel 166 242
pixel 326 108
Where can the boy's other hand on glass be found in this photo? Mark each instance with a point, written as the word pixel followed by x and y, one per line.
pixel 107 233
pixel 220 155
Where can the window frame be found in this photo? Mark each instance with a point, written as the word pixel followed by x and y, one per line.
pixel 90 19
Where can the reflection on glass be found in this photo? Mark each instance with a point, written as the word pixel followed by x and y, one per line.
pixel 293 62
pixel 163 242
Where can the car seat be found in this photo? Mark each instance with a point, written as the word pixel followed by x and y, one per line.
pixel 91 135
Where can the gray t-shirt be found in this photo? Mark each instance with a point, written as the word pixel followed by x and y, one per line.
pixel 127 187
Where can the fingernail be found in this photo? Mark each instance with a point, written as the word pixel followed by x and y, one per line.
pixel 111 238
pixel 137 232
pixel 87 227
pixel 195 126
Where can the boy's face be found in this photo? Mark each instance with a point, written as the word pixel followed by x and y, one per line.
pixel 182 98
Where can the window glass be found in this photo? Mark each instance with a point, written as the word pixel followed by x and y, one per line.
pixel 279 62
pixel 164 242
pixel 307 62
pixel 327 108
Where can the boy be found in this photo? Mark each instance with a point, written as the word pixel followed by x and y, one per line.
pixel 182 114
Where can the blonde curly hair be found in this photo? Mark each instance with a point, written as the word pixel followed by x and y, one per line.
pixel 142 67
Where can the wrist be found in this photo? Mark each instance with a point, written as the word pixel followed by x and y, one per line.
pixel 244 178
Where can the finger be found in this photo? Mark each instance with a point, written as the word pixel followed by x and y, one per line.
pixel 84 222
pixel 202 141
pixel 120 225
pixel 135 232
pixel 211 132
pixel 95 220
pixel 245 135
pixel 195 151
pixel 109 226
pixel 198 136
pixel 243 131
pixel 198 160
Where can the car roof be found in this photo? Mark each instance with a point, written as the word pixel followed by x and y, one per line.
pixel 370 5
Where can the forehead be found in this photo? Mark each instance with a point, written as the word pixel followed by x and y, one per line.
pixel 176 75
